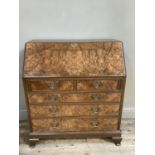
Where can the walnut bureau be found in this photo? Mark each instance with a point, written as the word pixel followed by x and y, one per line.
pixel 74 89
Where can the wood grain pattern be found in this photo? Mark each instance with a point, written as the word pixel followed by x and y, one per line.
pixel 45 111
pixel 73 110
pixel 51 85
pixel 74 124
pixel 74 97
pixel 104 85
pixel 90 110
pixel 82 124
pixel 45 125
pixel 74 59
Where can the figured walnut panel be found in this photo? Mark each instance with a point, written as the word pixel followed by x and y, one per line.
pixel 73 110
pixel 89 124
pixel 66 59
pixel 45 111
pixel 74 124
pixel 43 98
pixel 45 125
pixel 74 97
pixel 97 85
pixel 89 110
pixel 51 85
pixel 92 97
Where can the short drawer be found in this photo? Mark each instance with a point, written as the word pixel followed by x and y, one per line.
pixel 105 85
pixel 51 85
pixel 73 110
pixel 74 124
pixel 74 97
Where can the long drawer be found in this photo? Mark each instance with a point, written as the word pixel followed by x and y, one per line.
pixel 73 110
pixel 74 97
pixel 74 124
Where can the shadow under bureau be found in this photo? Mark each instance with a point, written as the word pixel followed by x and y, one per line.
pixel 74 89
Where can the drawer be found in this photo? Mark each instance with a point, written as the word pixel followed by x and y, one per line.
pixel 89 124
pixel 91 97
pixel 74 97
pixel 45 125
pixel 45 111
pixel 51 85
pixel 36 98
pixel 90 110
pixel 105 85
pixel 73 110
pixel 74 124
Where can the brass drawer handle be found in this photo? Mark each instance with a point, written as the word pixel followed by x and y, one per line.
pixel 51 85
pixel 97 84
pixel 94 124
pixel 95 109
pixel 96 97
pixel 53 109
pixel 53 97
pixel 55 124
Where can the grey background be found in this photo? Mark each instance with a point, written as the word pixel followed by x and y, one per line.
pixel 80 19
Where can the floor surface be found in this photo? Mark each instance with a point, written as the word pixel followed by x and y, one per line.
pixel 79 146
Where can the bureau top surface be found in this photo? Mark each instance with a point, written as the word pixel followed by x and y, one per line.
pixel 73 59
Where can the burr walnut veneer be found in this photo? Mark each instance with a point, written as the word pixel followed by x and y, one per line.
pixel 74 89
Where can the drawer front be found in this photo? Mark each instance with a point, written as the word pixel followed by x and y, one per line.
pixel 74 97
pixel 73 110
pixel 89 124
pixel 44 98
pixel 46 125
pixel 45 111
pixel 91 97
pixel 98 85
pixel 89 110
pixel 74 124
pixel 51 85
